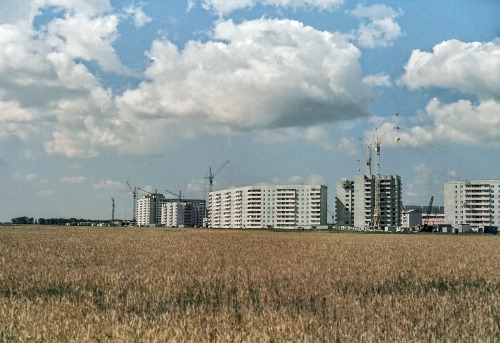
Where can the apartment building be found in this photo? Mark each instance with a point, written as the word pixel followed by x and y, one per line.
pixel 149 209
pixel 355 201
pixel 155 209
pixel 473 202
pixel 278 207
pixel 185 213
pixel 344 202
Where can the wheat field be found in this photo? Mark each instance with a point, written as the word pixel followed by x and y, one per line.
pixel 64 284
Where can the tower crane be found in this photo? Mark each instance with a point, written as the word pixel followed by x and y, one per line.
pixel 426 227
pixel 211 176
pixel 367 151
pixel 377 142
pixel 134 192
pixel 333 217
pixel 151 193
pixel 177 195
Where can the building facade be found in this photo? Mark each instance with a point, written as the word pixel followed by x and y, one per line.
pixel 155 210
pixel 411 218
pixel 344 202
pixel 149 209
pixel 277 207
pixel 355 201
pixel 185 213
pixel 473 202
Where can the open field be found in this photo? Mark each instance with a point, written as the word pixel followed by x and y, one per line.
pixel 147 285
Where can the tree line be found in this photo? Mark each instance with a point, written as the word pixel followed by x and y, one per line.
pixel 53 221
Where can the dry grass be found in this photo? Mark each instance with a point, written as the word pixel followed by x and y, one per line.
pixel 157 285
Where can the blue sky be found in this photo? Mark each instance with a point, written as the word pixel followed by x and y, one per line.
pixel 97 93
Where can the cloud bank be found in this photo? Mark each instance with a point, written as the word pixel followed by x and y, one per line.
pixel 258 74
pixel 224 7
pixel 467 67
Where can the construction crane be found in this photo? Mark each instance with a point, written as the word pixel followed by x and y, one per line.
pixel 367 151
pixel 333 217
pixel 377 142
pixel 177 195
pixel 375 223
pixel 134 192
pixel 426 227
pixel 113 210
pixel 211 176
pixel 151 193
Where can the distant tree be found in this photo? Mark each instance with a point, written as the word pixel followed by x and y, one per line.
pixel 22 220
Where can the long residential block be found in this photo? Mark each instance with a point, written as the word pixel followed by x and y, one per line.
pixel 268 207
pixel 473 202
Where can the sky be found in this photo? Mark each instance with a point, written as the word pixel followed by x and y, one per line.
pixel 97 93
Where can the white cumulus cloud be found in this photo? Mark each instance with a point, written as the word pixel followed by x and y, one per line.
pixel 378 27
pixel 225 7
pixel 468 67
pixel 12 11
pixel 30 177
pixel 110 185
pixel 140 18
pixel 73 179
pixel 257 74
pixel 378 80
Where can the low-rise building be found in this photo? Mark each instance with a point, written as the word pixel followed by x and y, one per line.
pixel 411 218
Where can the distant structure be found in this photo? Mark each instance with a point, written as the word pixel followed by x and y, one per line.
pixel 185 213
pixel 210 176
pixel 472 202
pixel 149 209
pixel 154 209
pixel 357 202
pixel 370 201
pixel 268 207
pixel 411 218
pixel 134 210
pixel 424 209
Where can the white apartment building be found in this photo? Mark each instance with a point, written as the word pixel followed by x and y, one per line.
pixel 473 202
pixel 185 213
pixel 149 209
pixel 278 207
pixel 355 201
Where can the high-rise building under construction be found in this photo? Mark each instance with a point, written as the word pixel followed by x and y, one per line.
pixel 356 203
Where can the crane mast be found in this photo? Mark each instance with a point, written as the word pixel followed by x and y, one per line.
pixel 426 227
pixel 377 206
pixel 134 192
pixel 211 176
pixel 367 151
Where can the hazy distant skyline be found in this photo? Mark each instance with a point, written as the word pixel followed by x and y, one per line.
pixel 97 93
